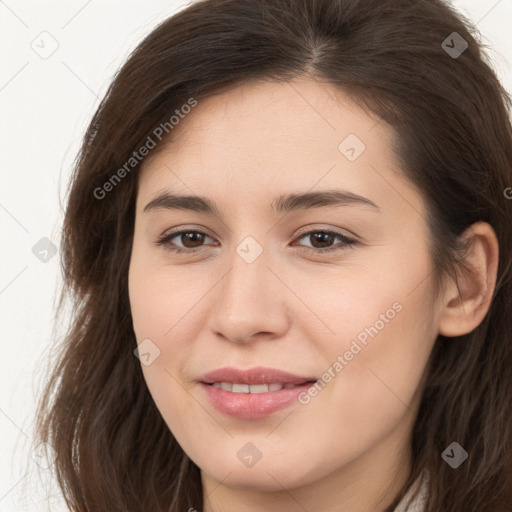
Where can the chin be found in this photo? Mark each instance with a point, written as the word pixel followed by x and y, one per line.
pixel 266 476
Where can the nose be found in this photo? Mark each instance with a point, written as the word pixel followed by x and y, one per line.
pixel 251 302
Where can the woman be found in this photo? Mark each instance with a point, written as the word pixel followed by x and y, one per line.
pixel 287 239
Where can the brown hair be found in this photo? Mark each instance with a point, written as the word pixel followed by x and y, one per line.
pixel 450 113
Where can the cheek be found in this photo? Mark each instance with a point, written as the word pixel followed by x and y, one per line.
pixel 373 365
pixel 160 312
pixel 384 322
pixel 160 315
pixel 162 299
pixel 379 311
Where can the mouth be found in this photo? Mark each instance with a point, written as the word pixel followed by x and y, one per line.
pixel 255 393
pixel 255 388
pixel 253 377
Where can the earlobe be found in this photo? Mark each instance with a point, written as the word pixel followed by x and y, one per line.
pixel 467 299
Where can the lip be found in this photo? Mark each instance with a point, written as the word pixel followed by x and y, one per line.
pixel 258 375
pixel 253 405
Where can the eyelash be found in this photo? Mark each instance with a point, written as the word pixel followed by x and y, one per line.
pixel 346 241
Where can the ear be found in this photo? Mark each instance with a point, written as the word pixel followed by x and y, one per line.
pixel 465 302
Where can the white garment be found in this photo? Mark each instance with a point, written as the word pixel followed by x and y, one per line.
pixel 418 505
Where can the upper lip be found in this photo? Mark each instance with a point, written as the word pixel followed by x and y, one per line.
pixel 258 375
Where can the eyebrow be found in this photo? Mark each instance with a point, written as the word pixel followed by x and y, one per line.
pixel 282 204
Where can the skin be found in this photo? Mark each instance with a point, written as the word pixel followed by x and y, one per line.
pixel 348 448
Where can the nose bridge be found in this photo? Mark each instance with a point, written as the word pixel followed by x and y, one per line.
pixel 248 275
pixel 250 299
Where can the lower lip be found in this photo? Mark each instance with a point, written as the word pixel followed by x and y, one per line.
pixel 253 405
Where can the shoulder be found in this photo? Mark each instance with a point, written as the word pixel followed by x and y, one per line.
pixel 418 503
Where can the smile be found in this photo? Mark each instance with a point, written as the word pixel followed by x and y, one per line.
pixel 252 388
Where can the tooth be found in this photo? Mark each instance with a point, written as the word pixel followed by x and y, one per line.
pixel 240 388
pixel 227 386
pixel 258 388
pixel 253 388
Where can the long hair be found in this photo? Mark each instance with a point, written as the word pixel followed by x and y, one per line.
pixel 420 67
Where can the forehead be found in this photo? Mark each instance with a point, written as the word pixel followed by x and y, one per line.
pixel 276 114
pixel 278 136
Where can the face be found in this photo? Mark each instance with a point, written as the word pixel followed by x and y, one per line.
pixel 307 254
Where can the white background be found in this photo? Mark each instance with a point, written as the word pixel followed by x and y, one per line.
pixel 45 107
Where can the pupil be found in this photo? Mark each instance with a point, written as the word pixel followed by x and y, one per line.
pixel 323 238
pixel 191 237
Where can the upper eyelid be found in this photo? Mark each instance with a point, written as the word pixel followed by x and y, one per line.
pixel 337 231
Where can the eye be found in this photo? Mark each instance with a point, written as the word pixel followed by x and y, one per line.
pixel 191 242
pixel 322 238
